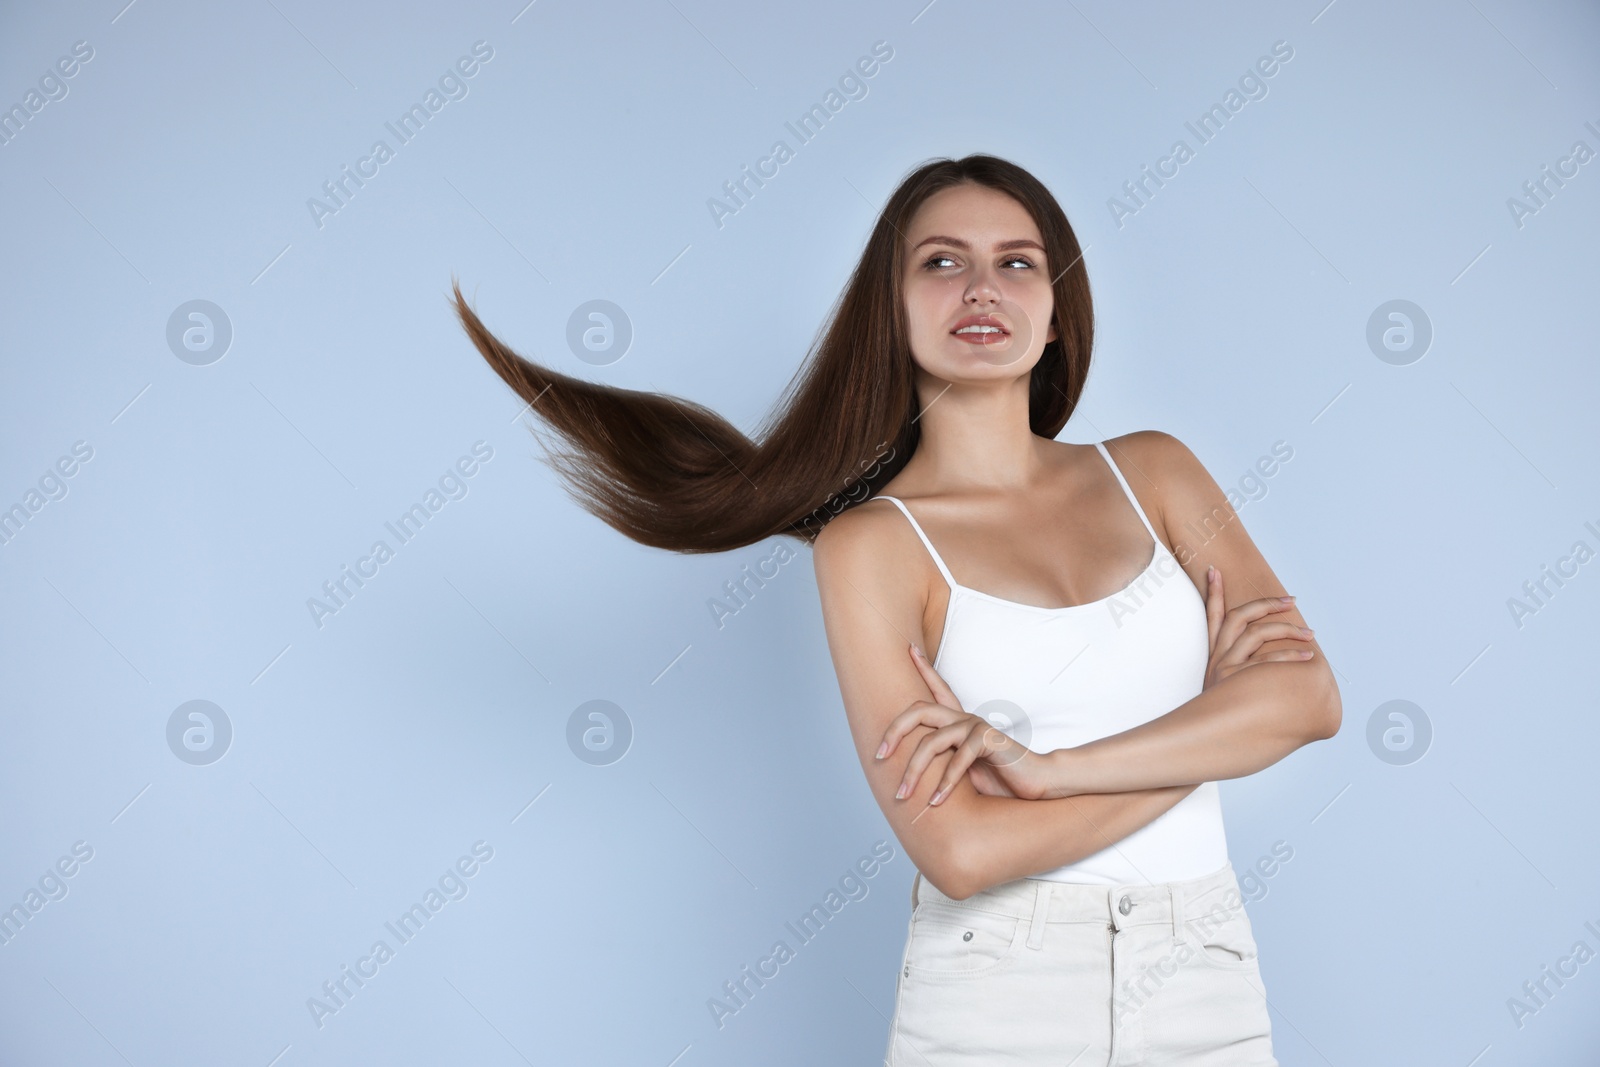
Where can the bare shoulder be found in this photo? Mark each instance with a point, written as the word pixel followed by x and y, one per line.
pixel 862 542
pixel 1154 462
pixel 1149 449
pixel 1166 477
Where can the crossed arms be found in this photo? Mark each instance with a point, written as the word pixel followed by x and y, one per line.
pixel 970 840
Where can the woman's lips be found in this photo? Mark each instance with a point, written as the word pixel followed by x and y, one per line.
pixel 982 338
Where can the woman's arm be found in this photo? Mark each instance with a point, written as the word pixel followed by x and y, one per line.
pixel 1250 719
pixel 969 841
pixel 1244 723
pixel 1010 838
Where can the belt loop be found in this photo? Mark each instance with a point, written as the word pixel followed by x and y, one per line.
pixel 914 882
pixel 1041 912
pixel 1176 890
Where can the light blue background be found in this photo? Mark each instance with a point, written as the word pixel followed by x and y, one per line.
pixel 370 753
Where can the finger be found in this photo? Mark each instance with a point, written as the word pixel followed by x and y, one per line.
pixel 1294 655
pixel 1281 654
pixel 1234 622
pixel 1214 604
pixel 1259 633
pixel 987 782
pixel 901 725
pixel 929 746
pixel 1262 606
pixel 965 755
pixel 936 685
pixel 1280 628
pixel 920 713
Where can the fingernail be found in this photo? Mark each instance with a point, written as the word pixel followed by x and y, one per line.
pixel 1308 631
pixel 1287 599
pixel 883 750
pixel 917 652
pixel 1211 572
pixel 937 797
pixel 900 794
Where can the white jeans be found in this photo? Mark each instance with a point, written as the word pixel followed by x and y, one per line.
pixel 1039 972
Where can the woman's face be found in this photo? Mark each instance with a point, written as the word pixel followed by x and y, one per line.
pixel 977 286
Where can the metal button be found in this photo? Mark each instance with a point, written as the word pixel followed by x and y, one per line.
pixel 967 936
pixel 1125 905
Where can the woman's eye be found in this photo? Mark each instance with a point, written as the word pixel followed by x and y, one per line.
pixel 933 261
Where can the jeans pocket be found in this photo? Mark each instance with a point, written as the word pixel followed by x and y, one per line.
pixel 1223 938
pixel 955 942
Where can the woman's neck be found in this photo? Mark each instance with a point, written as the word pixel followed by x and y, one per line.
pixel 975 438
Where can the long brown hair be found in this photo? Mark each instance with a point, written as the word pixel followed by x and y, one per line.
pixel 670 473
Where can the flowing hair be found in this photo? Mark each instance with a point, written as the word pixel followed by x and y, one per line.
pixel 670 473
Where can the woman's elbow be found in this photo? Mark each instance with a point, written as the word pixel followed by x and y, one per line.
pixel 1324 706
pixel 949 883
pixel 948 875
pixel 944 866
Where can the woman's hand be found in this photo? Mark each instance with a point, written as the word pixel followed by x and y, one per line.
pixel 999 766
pixel 1237 635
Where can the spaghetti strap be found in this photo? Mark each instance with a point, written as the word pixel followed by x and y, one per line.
pixel 927 543
pixel 1131 498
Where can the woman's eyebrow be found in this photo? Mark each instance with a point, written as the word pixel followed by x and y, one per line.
pixel 1003 246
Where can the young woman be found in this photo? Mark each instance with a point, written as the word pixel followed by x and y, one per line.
pixel 1045 734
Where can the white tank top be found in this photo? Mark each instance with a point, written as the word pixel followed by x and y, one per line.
pixel 1058 677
